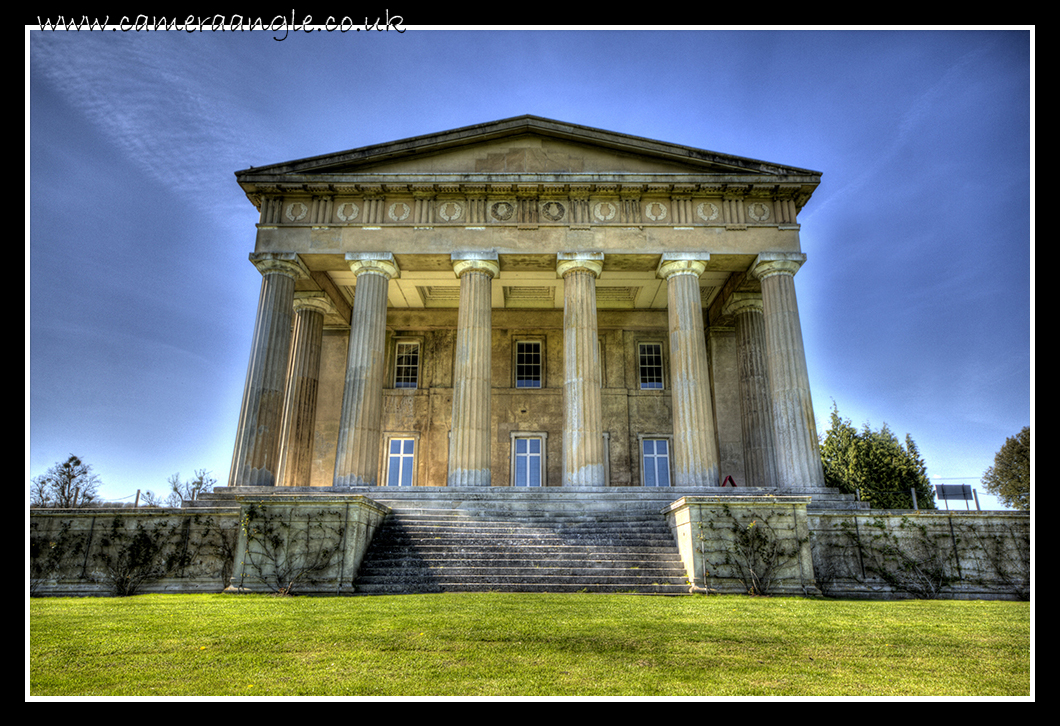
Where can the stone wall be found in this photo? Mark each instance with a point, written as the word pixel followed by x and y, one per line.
pixel 314 543
pixel 102 551
pixel 778 545
pixel 303 545
pixel 745 544
pixel 950 554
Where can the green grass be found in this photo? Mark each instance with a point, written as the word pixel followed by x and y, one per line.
pixel 525 645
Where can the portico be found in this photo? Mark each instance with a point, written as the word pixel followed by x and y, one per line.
pixel 527 303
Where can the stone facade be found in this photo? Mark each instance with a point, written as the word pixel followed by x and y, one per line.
pixel 531 326
pixel 527 303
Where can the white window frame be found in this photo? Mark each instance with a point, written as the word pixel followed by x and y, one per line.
pixel 406 460
pixel 641 438
pixel 641 368
pixel 402 385
pixel 541 436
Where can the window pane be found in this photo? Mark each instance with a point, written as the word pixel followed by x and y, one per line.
pixel 651 366
pixel 527 364
pixel 407 367
pixel 400 462
pixel 527 462
pixel 656 462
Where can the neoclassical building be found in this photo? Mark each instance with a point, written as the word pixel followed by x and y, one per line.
pixel 527 303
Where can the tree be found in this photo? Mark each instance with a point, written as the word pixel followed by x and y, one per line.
pixel 875 464
pixel 1010 476
pixel 69 485
pixel 180 491
pixel 149 499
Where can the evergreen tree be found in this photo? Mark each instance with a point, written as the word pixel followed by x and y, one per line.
pixel 1010 476
pixel 874 464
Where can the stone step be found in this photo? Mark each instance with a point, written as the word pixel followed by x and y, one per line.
pixel 427 549
pixel 543 557
pixel 458 570
pixel 475 531
pixel 392 588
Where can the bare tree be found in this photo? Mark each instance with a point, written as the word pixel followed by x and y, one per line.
pixel 69 485
pixel 180 491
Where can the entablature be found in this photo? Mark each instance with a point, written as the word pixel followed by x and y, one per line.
pixel 522 202
pixel 527 282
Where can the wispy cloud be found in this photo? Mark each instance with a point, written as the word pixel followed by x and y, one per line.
pixel 168 103
pixel 925 108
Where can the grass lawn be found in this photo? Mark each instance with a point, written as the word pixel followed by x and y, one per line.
pixel 498 644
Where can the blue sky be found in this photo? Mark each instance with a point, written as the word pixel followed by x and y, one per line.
pixel 916 299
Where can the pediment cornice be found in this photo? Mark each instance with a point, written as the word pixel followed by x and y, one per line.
pixel 380 162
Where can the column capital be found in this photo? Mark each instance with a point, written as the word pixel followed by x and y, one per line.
pixel 568 262
pixel 285 263
pixel 464 262
pixel 741 302
pixel 682 263
pixel 777 263
pixel 375 263
pixel 311 300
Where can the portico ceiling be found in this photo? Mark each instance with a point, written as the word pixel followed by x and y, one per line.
pixel 530 281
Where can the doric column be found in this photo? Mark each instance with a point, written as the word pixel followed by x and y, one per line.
pixel 756 404
pixel 256 456
pixel 583 429
pixel 303 377
pixel 469 445
pixel 357 452
pixel 695 461
pixel 797 454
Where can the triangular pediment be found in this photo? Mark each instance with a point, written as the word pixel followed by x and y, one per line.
pixel 525 145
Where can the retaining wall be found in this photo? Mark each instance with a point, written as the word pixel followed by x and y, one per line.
pixel 771 545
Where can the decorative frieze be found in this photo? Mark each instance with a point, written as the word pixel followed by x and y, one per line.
pixel 677 205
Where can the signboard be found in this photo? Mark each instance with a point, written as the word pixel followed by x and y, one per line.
pixel 947 492
pixel 953 491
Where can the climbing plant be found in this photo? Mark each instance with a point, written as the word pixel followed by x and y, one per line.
pixel 281 550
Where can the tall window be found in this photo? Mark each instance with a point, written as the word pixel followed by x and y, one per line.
pixel 655 460
pixel 651 366
pixel 407 364
pixel 400 462
pixel 528 364
pixel 529 452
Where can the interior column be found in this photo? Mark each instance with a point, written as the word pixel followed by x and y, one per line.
pixel 798 455
pixel 695 462
pixel 583 432
pixel 755 401
pixel 256 456
pixel 303 378
pixel 357 452
pixel 469 444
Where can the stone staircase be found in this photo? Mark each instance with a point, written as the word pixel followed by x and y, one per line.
pixel 421 550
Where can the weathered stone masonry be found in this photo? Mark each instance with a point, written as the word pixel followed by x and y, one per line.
pixel 455 255
pixel 534 318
